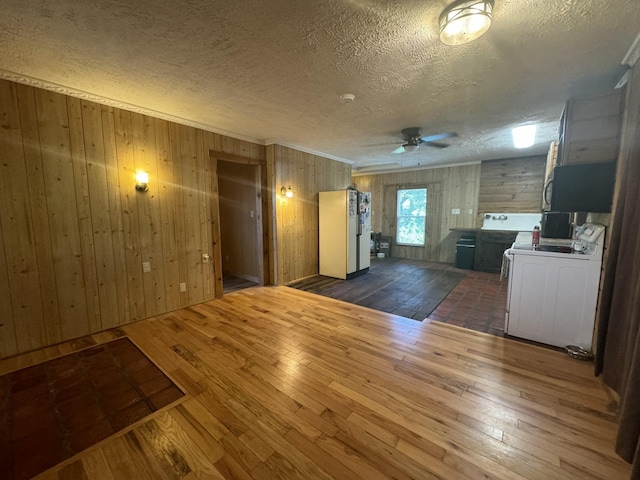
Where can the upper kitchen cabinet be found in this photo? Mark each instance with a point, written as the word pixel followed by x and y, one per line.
pixel 590 129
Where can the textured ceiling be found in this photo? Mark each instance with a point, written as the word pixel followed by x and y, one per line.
pixel 274 70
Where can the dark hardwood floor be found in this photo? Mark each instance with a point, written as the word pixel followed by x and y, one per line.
pixel 477 300
pixel 405 287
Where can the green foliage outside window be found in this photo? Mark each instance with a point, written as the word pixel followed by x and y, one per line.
pixel 411 216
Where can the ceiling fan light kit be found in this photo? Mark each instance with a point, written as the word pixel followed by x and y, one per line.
pixel 410 147
pixel 413 139
pixel 465 20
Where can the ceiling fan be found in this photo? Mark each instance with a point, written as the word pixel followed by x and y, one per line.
pixel 413 139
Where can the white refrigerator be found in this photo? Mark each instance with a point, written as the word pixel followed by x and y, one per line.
pixel 345 233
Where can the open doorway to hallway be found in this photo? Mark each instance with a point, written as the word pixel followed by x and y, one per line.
pixel 240 225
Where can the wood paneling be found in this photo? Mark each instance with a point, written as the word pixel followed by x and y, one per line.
pixel 284 384
pixel 74 232
pixel 512 185
pixel 447 189
pixel 296 223
pixel 22 326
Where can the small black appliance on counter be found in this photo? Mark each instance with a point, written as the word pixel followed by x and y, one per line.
pixel 556 225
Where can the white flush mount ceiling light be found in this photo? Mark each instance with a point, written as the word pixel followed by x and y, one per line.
pixel 347 98
pixel 465 20
pixel 524 136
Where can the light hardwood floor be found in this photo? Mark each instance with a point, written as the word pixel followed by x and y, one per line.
pixel 284 384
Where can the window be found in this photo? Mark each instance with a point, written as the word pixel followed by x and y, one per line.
pixel 411 215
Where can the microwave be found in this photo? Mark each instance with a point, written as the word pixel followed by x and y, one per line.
pixel 581 187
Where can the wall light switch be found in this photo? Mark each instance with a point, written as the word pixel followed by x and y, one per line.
pixel 183 287
pixel 206 257
pixel 146 267
pixel 455 211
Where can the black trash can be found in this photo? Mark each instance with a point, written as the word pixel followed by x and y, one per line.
pixel 466 252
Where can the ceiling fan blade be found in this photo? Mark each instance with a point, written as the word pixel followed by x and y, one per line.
pixel 436 144
pixel 438 136
pixel 400 149
pixel 386 144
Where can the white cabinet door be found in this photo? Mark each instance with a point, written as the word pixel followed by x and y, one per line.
pixel 553 300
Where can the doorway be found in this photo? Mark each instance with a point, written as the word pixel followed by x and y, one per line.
pixel 241 229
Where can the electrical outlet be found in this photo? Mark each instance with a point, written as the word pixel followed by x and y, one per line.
pixel 455 211
pixel 251 213
pixel 471 211
pixel 183 287
pixel 146 267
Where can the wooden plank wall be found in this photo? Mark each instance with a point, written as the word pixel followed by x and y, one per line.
pixel 296 219
pixel 511 185
pixel 592 128
pixel 73 230
pixel 447 188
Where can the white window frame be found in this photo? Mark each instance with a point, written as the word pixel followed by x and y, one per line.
pixel 424 218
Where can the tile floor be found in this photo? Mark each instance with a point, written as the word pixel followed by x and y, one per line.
pixel 478 303
pixel 51 411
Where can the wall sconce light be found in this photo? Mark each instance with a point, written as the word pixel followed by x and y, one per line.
pixel 142 181
pixel 287 192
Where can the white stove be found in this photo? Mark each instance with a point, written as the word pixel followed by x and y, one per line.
pixel 553 288
pixel 583 248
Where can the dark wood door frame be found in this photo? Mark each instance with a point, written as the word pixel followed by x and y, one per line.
pixel 265 216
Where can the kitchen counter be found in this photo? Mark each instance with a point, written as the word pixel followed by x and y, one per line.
pixel 498 233
pixel 478 230
pixel 490 245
